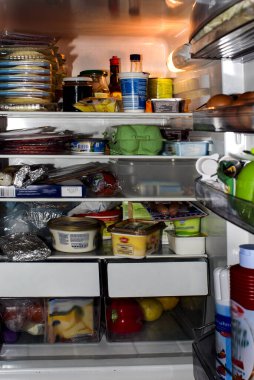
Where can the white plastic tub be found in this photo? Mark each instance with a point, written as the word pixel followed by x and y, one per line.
pixel 186 245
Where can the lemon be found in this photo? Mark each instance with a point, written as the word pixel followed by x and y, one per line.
pixel 151 307
pixel 168 303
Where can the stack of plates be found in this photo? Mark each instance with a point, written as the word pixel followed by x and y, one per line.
pixel 28 73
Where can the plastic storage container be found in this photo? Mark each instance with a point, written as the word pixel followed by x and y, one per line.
pixel 136 139
pixel 186 148
pixel 134 238
pixel 186 245
pixel 187 227
pixel 108 217
pixel 167 105
pixel 75 234
pixel 156 178
pixel 55 320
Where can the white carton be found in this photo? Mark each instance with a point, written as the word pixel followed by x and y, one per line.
pixel 186 245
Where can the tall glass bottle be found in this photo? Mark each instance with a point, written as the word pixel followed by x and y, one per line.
pixel 136 64
pixel 114 85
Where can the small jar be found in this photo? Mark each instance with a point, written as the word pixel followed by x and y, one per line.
pixel 100 85
pixel 75 89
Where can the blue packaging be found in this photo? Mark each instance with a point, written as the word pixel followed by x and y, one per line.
pixel 222 323
pixel 134 91
pixel 44 191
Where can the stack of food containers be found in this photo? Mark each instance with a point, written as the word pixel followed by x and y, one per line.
pixel 28 73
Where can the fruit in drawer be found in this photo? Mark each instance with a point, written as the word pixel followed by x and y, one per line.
pixel 151 307
pixel 35 313
pixel 124 316
pixel 168 303
pixel 13 318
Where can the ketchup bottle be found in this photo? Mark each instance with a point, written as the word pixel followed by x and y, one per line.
pixel 242 314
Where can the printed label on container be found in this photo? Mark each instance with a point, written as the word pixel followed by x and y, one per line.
pixel 71 191
pixel 134 93
pixel 223 341
pixel 242 342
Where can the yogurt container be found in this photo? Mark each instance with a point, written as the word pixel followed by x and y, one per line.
pixel 134 91
pixel 135 238
pixel 75 234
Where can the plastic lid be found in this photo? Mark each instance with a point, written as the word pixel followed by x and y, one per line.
pixel 93 72
pixel 135 57
pixel 77 79
pixel 114 60
pixel 72 223
pixel 247 256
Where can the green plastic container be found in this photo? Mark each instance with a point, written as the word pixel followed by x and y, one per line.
pixel 136 139
pixel 245 190
pixel 187 227
pixel 245 183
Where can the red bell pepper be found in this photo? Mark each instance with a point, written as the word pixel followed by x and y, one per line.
pixel 124 316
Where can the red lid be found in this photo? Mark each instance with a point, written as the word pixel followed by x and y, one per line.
pixel 114 60
pixel 109 213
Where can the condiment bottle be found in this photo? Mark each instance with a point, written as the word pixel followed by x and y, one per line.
pixel 114 85
pixel 222 323
pixel 136 65
pixel 242 313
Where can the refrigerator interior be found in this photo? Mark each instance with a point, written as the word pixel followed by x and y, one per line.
pixel 89 33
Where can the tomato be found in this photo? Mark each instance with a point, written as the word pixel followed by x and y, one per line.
pixel 124 316
pixel 35 313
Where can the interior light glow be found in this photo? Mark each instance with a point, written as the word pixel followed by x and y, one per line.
pixel 173 3
pixel 171 65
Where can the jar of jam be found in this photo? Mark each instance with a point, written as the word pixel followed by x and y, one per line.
pixel 100 85
pixel 75 89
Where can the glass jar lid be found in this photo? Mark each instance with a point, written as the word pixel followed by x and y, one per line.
pixel 93 73
pixel 77 79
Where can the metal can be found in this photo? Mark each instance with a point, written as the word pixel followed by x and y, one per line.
pixel 88 146
pixel 160 88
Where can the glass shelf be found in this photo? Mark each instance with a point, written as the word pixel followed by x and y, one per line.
pixel 225 119
pixel 232 209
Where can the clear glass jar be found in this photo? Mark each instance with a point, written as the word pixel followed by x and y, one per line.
pixel 100 85
pixel 75 89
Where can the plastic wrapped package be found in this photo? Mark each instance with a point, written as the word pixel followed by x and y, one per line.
pixel 22 320
pixel 24 247
pixel 73 320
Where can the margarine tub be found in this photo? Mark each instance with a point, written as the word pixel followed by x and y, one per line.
pixel 135 238
pixel 75 234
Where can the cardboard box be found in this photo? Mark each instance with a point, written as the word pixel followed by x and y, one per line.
pixel 44 191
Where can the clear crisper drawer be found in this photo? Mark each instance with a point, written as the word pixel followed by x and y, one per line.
pixel 173 178
pixel 153 319
pixel 53 320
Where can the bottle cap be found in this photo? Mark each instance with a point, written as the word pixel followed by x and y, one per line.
pixel 247 256
pixel 114 60
pixel 135 57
